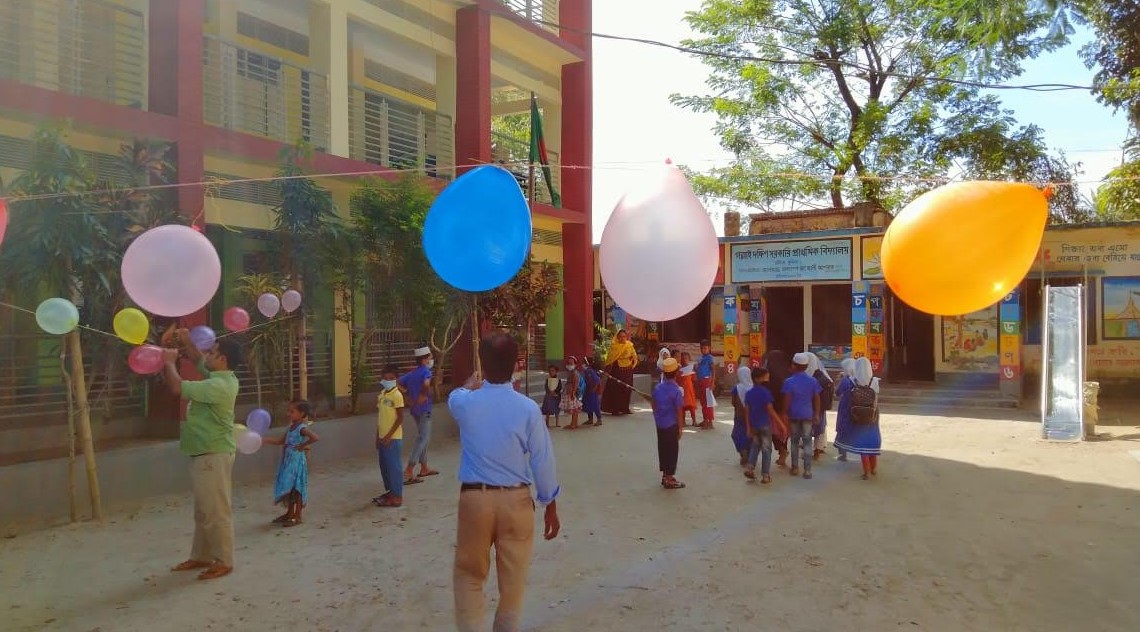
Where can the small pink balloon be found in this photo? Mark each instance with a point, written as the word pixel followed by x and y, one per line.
pixel 236 319
pixel 145 359
pixel 268 304
pixel 290 301
pixel 3 218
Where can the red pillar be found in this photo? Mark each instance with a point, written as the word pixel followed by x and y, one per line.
pixel 472 125
pixel 175 89
pixel 577 192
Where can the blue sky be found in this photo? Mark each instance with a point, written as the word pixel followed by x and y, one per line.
pixel 635 125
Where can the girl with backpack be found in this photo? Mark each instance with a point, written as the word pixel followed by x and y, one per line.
pixel 843 411
pixel 592 398
pixel 864 437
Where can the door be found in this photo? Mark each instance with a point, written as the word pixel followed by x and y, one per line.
pixel 785 316
pixel 910 352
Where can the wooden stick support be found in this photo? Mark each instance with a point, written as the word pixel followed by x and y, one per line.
pixel 79 381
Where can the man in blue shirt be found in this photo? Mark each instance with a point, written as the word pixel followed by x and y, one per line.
pixel 416 387
pixel 669 414
pixel 705 383
pixel 506 449
pixel 801 409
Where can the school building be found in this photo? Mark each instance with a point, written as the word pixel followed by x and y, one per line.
pixel 404 84
pixel 812 281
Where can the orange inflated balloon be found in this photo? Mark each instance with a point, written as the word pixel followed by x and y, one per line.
pixel 963 246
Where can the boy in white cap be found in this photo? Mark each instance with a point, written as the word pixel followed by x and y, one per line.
pixel 416 385
pixel 801 409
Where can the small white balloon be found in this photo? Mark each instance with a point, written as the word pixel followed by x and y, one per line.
pixel 659 253
pixel 249 442
pixel 268 304
pixel 290 301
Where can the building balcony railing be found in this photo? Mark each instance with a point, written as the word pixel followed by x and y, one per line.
pixel 388 132
pixel 513 153
pixel 252 92
pixel 89 48
pixel 543 12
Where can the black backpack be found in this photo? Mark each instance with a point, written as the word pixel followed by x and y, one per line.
pixel 863 405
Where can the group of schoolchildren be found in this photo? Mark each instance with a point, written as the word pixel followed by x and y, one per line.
pixel 775 410
pixel 580 392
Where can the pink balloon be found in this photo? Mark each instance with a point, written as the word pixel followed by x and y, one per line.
pixel 3 218
pixel 236 319
pixel 268 304
pixel 145 359
pixel 659 252
pixel 290 301
pixel 171 270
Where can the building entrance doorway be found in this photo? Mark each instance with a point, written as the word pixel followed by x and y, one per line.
pixel 785 319
pixel 910 344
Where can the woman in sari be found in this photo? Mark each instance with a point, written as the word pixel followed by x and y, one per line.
pixel 620 363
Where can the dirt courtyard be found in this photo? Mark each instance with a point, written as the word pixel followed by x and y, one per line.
pixel 970 525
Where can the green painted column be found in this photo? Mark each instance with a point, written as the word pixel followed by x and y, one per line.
pixel 556 324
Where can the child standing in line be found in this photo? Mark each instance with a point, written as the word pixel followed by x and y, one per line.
pixel 826 395
pixel 292 485
pixel 801 409
pixel 843 411
pixel 592 396
pixel 705 383
pixel 390 438
pixel 570 401
pixel 864 437
pixel 687 381
pixel 553 397
pixel 740 434
pixel 662 355
pixel 759 409
pixel 669 416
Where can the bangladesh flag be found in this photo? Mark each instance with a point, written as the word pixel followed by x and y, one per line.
pixel 538 151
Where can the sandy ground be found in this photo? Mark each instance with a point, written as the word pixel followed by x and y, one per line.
pixel 971 525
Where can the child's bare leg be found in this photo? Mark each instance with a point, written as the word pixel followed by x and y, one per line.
pixel 299 506
pixel 866 461
pixel 557 423
pixel 573 419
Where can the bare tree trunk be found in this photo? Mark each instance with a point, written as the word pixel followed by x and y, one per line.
pixel 475 335
pixel 73 500
pixel 80 382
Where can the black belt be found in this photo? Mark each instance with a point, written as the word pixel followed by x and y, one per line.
pixel 465 487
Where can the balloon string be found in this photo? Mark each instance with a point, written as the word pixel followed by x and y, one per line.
pixel 609 376
pixel 216 183
pixel 116 336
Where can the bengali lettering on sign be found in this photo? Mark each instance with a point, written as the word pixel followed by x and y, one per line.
pixel 821 260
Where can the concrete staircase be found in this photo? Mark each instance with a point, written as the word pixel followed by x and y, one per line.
pixel 934 399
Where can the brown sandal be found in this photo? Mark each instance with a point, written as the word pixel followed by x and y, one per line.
pixel 215 571
pixel 291 522
pixel 191 565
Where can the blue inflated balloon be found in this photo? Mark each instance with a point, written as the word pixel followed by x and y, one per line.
pixel 477 233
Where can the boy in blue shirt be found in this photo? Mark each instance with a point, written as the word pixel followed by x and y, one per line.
pixel 759 412
pixel 801 409
pixel 668 414
pixel 415 385
pixel 704 383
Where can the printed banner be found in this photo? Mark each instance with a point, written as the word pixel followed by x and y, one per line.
pixel 755 349
pixel 1009 343
pixel 859 319
pixel 870 247
pixel 831 355
pixel 822 260
pixel 876 343
pixel 731 339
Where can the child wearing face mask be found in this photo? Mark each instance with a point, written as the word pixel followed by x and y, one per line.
pixel 390 438
pixel 572 394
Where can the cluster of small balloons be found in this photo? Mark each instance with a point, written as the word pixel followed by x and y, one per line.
pixel 248 435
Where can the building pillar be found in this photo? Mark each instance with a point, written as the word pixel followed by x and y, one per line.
pixel 331 46
pixel 472 88
pixel 578 290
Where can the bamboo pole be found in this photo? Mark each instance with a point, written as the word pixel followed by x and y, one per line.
pixel 303 347
pixel 79 380
pixel 475 334
pixel 72 498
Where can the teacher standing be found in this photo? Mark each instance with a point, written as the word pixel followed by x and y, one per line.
pixel 506 449
pixel 620 362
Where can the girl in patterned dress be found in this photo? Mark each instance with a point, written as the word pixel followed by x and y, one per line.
pixel 292 485
pixel 553 397
pixel 571 393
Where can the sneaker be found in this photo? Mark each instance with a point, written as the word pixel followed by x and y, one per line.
pixel 807 475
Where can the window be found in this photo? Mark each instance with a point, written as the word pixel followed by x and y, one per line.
pixel 272 34
pixel 831 314
pixel 1033 305
pixel 258 67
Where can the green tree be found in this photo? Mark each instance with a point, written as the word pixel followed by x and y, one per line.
pixel 524 300
pixel 304 219
pixel 388 217
pixel 1115 55
pixel 838 99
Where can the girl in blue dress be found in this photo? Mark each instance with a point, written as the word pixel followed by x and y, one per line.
pixel 843 414
pixel 864 439
pixel 292 485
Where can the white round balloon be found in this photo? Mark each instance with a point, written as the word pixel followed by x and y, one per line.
pixel 659 253
pixel 171 270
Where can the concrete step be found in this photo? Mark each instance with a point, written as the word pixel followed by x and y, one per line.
pixel 949 401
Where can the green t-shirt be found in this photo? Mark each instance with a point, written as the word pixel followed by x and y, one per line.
pixel 209 425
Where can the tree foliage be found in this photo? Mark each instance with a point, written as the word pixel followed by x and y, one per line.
pixel 865 100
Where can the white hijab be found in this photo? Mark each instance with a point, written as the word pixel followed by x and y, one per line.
pixel 744 382
pixel 864 375
pixel 661 356
pixel 815 365
pixel 848 367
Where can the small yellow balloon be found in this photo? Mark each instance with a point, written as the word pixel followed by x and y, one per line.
pixel 963 246
pixel 131 325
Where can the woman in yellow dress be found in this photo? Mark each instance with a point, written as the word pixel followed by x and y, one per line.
pixel 620 363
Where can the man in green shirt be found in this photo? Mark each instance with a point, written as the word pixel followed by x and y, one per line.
pixel 207 437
